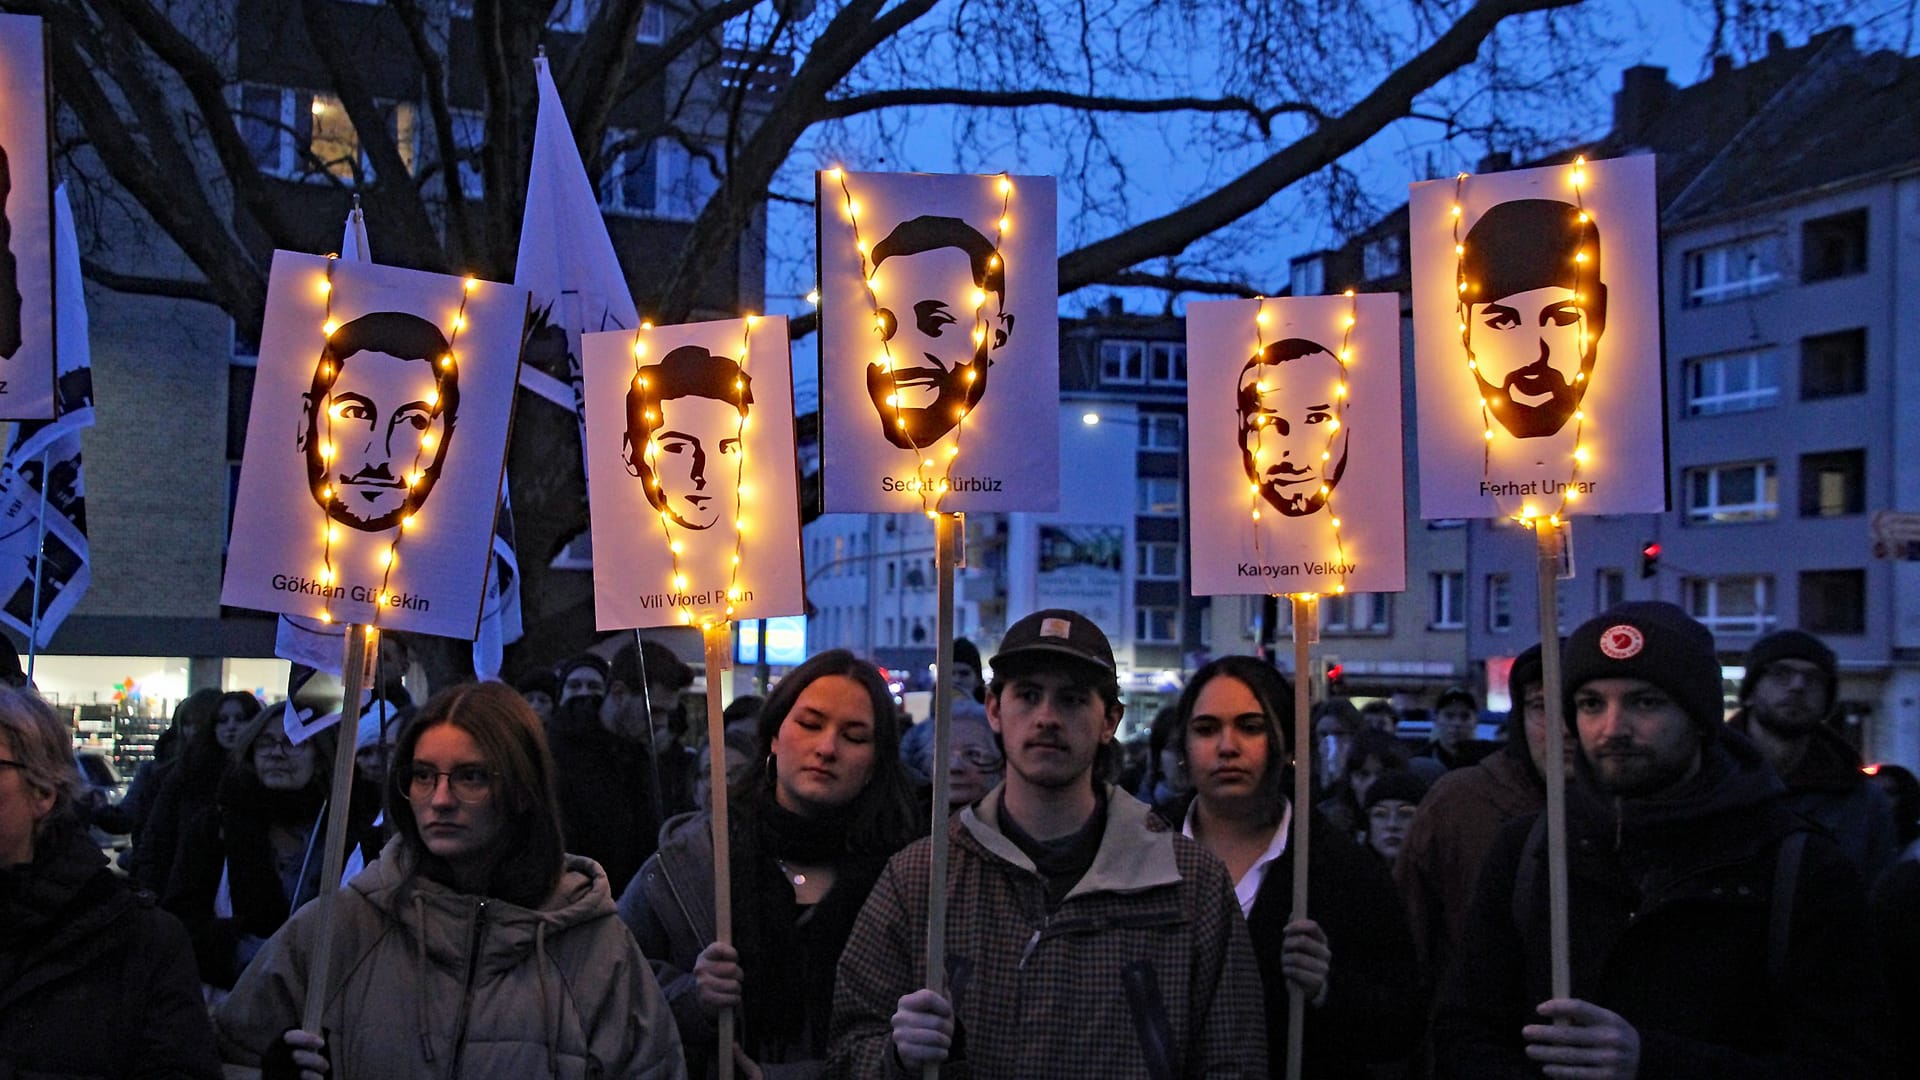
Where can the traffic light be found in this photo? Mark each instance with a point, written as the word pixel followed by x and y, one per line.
pixel 1331 670
pixel 1649 558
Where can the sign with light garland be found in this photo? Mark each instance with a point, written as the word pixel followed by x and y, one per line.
pixel 690 466
pixel 27 353
pixel 939 343
pixel 375 445
pixel 1536 320
pixel 1294 445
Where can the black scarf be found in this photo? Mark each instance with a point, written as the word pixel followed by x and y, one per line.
pixel 34 895
pixel 248 812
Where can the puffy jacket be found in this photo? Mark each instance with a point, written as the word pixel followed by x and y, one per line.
pixel 95 981
pixel 430 982
pixel 1144 970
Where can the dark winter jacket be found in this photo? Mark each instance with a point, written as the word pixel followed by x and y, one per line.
pixel 1143 971
pixel 1896 916
pixel 1828 789
pixel 95 980
pixel 1680 923
pixel 605 786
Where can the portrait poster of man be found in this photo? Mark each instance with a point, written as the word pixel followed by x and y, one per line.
pixel 939 350
pixel 1294 455
pixel 375 445
pixel 690 445
pixel 27 347
pixel 1536 321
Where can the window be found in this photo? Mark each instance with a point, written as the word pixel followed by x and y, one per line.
pixel 1123 361
pixel 1380 258
pixel 1609 588
pixel 1737 382
pixel 1167 363
pixel 1157 561
pixel 1499 603
pixel 1730 271
pixel 892 573
pixel 660 178
pixel 1308 275
pixel 1355 613
pixel 576 17
pixel 1725 494
pixel 1159 497
pixel 300 135
pixel 469 136
pixel 1156 624
pixel 1162 431
pixel 1833 601
pixel 1833 484
pixel 1832 247
pixel 1741 604
pixel 1449 601
pixel 1833 364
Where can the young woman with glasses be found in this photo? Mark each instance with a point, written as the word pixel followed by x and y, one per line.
pixel 1353 957
pixel 474 946
pixel 823 806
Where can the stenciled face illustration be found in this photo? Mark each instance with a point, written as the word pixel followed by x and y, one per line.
pixel 1293 446
pixel 684 418
pixel 1534 309
pixel 941 290
pixel 378 418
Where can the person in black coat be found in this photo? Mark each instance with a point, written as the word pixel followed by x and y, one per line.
pixel 95 981
pixel 1353 956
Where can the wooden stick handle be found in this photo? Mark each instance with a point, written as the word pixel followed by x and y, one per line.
pixel 334 855
pixel 1304 614
pixel 1549 539
pixel 944 557
pixel 717 638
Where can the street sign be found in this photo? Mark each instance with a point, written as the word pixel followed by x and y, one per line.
pixel 1896 535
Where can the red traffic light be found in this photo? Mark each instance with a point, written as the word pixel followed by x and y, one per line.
pixel 1335 671
pixel 1651 551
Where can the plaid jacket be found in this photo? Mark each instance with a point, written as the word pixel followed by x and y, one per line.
pixel 1145 969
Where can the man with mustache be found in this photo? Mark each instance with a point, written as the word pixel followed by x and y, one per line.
pixel 1534 309
pixel 1292 444
pixel 1713 931
pixel 1084 937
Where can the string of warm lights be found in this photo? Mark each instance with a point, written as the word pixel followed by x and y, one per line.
pixel 932 486
pixel 1342 392
pixel 1528 515
pixel 415 473
pixel 678 578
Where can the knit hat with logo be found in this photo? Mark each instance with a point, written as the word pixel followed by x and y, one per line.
pixel 1657 643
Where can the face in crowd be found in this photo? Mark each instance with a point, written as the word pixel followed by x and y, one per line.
pixel 974 764
pixel 823 749
pixel 1293 447
pixel 281 764
pixel 1052 724
pixel 683 439
pixel 1454 724
pixel 451 788
pixel 1228 742
pixel 228 723
pixel 1636 739
pixel 1387 823
pixel 1791 697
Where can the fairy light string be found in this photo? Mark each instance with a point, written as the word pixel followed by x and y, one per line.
pixel 1528 515
pixel 446 367
pixel 677 581
pixel 1344 398
pixel 933 477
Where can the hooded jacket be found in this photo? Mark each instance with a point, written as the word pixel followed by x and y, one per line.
pixel 430 982
pixel 1676 924
pixel 95 981
pixel 1828 789
pixel 1144 970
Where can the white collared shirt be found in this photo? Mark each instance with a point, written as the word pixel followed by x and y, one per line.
pixel 1248 886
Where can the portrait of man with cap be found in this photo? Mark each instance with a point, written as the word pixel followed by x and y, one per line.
pixel 1054 844
pixel 1713 932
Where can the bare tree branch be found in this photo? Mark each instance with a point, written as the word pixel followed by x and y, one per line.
pixel 1178 283
pixel 840 108
pixel 140 285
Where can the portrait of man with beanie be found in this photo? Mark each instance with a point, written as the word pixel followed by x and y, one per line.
pixel 1713 932
pixel 1786 703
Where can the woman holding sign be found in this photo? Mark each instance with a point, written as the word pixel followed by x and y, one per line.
pixel 474 946
pixel 815 819
pixel 1354 960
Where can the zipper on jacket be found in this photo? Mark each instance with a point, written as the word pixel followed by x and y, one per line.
pixel 466 1001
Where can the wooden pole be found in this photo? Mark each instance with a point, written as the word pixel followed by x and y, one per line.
pixel 945 550
pixel 1549 540
pixel 334 856
pixel 718 637
pixel 39 568
pixel 1306 618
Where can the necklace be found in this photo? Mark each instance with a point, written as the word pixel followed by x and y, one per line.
pixel 797 879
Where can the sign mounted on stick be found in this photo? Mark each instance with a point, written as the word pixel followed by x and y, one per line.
pixel 1294 445
pixel 939 345
pixel 27 352
pixel 691 477
pixel 1536 316
pixel 375 446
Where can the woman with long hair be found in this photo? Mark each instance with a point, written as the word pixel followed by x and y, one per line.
pixel 189 787
pixel 823 806
pixel 1353 957
pixel 474 946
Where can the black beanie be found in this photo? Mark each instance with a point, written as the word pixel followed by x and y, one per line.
pixel 1402 784
pixel 1787 645
pixel 1527 669
pixel 966 652
pixel 1653 641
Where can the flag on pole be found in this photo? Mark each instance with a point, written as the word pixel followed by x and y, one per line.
pixel 43 505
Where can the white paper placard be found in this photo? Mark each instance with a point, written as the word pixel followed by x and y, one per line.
pixel 1562 408
pixel 939 343
pixel 675 457
pixel 26 225
pixel 1294 454
pixel 364 442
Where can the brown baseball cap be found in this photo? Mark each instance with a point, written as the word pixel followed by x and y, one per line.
pixel 1056 632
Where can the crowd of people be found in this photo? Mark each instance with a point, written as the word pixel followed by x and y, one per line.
pixel 531 878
